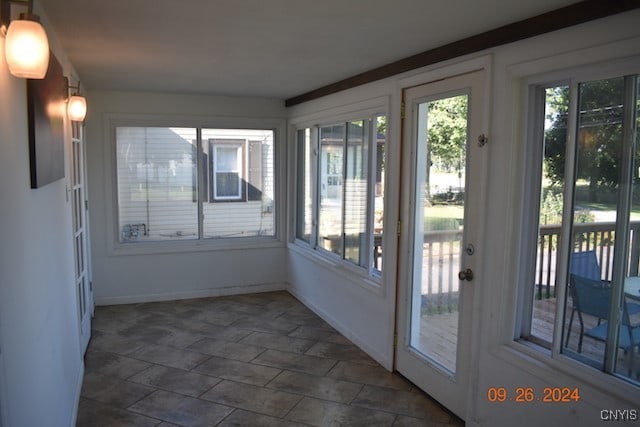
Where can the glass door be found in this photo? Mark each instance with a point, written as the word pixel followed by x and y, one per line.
pixel 80 235
pixel 442 131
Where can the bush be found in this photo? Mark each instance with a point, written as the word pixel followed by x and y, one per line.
pixel 551 206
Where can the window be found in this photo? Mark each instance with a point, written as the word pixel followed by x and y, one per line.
pixel 304 215
pixel 585 255
pixel 168 191
pixel 227 171
pixel 341 189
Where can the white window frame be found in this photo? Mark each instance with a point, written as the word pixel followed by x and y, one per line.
pixel 239 169
pixel 116 248
pixel 368 275
pixel 518 351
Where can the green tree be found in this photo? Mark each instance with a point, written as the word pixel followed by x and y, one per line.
pixel 446 136
pixel 599 133
pixel 555 134
pixel 447 132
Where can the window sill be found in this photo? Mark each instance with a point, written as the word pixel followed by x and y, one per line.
pixel 184 246
pixel 346 270
pixel 538 361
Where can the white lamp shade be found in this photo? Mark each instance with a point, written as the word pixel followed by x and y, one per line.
pixel 27 49
pixel 77 108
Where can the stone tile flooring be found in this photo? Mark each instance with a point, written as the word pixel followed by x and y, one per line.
pixel 247 360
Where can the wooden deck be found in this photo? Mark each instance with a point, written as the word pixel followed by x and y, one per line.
pixel 438 338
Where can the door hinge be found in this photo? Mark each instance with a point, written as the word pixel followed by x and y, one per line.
pixel 399 227
pixel 402 110
pixel 86 205
pixel 395 340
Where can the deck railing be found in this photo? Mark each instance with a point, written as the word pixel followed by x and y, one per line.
pixel 441 260
pixel 442 252
pixel 599 237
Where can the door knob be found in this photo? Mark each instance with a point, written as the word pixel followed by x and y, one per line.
pixel 466 275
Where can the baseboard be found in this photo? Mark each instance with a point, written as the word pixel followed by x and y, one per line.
pixel 343 329
pixel 200 293
pixel 74 415
pixel 248 289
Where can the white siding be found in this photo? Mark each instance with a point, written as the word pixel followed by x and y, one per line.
pixel 157 188
pixel 237 220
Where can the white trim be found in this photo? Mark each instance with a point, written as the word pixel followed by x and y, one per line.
pixel 76 405
pixel 449 70
pixel 4 407
pixel 201 293
pixel 617 55
pixel 343 268
pixel 195 245
pixel 240 149
pixel 343 113
pixel 537 362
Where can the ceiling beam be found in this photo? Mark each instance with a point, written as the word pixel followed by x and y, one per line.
pixel 568 16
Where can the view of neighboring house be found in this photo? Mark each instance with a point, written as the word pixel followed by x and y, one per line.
pixel 162 184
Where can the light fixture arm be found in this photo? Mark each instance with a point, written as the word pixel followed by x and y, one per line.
pixel 5 12
pixel 76 103
pixel 69 87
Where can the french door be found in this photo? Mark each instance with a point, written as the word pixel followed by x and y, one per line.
pixel 444 148
pixel 83 284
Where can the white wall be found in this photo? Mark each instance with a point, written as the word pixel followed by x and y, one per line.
pixel 130 274
pixel 367 317
pixel 40 362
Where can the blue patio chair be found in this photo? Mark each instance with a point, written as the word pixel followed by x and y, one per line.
pixel 585 265
pixel 592 297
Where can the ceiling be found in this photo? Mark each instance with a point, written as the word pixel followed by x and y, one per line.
pixel 270 48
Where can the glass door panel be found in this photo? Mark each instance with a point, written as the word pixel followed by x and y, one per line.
pixel 356 191
pixel 599 142
pixel 626 360
pixel 439 221
pixel 602 310
pixel 332 140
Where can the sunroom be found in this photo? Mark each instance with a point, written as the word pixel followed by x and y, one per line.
pixel 450 192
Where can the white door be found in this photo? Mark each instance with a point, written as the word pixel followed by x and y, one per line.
pixel 80 235
pixel 444 150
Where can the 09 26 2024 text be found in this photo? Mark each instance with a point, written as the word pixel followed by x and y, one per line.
pixel 530 394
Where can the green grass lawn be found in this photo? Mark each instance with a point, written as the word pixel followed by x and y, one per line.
pixel 610 207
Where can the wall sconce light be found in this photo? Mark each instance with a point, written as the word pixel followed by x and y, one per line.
pixel 26 44
pixel 76 104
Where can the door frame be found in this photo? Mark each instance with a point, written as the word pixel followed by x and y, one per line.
pixel 404 268
pixel 78 165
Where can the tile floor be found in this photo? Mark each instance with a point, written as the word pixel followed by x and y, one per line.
pixel 247 360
